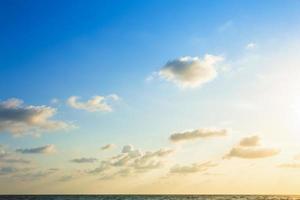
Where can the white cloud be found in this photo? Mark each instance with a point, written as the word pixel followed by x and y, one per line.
pixel 95 104
pixel 193 168
pixel 48 149
pixel 198 134
pixel 190 72
pixel 19 119
pixel 251 45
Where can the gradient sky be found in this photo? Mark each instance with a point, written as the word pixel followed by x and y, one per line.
pixel 149 96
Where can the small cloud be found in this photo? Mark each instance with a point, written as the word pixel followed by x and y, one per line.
pixel 95 104
pixel 48 149
pixel 127 148
pixel 193 168
pixel 84 160
pixel 19 119
pixel 107 147
pixel 250 141
pixel 190 72
pixel 248 148
pixel 251 45
pixel 198 134
pixel 252 153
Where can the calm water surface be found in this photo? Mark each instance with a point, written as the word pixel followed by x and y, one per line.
pixel 145 197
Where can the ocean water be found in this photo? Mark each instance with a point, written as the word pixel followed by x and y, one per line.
pixel 148 197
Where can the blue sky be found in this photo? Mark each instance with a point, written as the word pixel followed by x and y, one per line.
pixel 61 49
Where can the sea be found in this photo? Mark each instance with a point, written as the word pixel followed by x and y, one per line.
pixel 149 197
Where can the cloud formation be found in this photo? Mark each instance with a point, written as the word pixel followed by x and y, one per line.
pixel 198 134
pixel 249 148
pixel 48 149
pixel 84 160
pixel 131 161
pixel 190 72
pixel 95 104
pixel 250 141
pixel 19 119
pixel 193 168
pixel 107 147
pixel 252 153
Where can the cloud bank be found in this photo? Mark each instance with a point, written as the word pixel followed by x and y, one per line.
pixel 19 119
pixel 190 72
pixel 198 134
pixel 95 104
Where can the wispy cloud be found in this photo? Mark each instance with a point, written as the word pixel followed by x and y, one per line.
pixel 131 161
pixel 198 134
pixel 19 119
pixel 84 160
pixel 193 168
pixel 95 104
pixel 48 149
pixel 190 72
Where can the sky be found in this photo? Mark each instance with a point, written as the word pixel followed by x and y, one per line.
pixel 152 97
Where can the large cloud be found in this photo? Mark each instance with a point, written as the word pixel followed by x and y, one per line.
pixel 249 148
pixel 193 168
pixel 131 161
pixel 197 134
pixel 18 119
pixel 48 149
pixel 190 72
pixel 95 104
